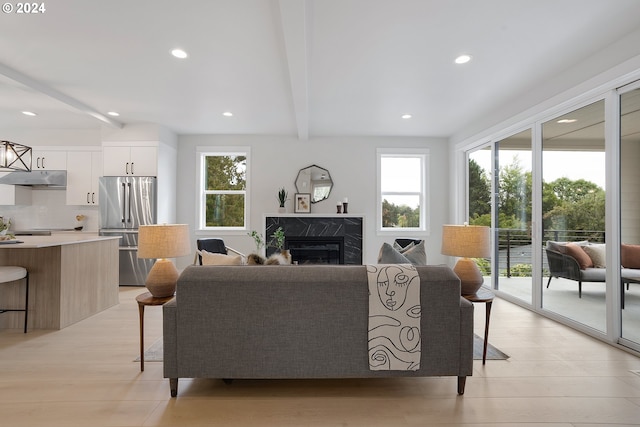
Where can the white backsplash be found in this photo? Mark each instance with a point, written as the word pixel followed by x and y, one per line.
pixel 48 209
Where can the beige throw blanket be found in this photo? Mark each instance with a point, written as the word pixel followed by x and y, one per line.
pixel 394 317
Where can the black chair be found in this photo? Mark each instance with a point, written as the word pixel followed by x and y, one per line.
pixel 403 243
pixel 213 245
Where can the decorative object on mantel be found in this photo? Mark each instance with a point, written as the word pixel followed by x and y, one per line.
pixel 79 222
pixel 345 204
pixel 467 241
pixel 316 181
pixel 162 241
pixel 302 203
pixel 339 207
pixel 15 156
pixel 282 198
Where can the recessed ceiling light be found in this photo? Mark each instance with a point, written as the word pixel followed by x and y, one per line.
pixel 463 59
pixel 567 120
pixel 179 53
pixel 113 113
pixel 406 116
pixel 29 113
pixel 227 114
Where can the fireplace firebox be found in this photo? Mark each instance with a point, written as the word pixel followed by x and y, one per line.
pixel 315 250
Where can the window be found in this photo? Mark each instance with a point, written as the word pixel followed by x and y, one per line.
pixel 402 188
pixel 223 189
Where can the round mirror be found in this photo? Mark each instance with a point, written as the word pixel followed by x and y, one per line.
pixel 315 181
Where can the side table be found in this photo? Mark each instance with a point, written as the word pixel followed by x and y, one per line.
pixel 144 300
pixel 486 296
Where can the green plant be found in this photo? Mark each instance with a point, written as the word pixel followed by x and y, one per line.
pixel 5 224
pixel 278 239
pixel 257 238
pixel 282 196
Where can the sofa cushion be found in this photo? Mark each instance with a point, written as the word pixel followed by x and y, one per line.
pixel 630 256
pixel 389 255
pixel 578 253
pixel 415 253
pixel 210 258
pixel 597 253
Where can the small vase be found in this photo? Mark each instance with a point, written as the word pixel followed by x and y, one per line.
pixel 282 209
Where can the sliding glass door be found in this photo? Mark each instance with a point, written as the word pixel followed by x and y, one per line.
pixel 573 212
pixel 630 214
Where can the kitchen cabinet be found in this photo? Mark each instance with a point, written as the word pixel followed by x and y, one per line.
pixel 132 160
pixel 84 169
pixel 46 159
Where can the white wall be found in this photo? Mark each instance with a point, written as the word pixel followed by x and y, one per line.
pixel 351 161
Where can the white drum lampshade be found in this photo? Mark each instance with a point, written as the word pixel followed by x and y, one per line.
pixel 466 242
pixel 162 241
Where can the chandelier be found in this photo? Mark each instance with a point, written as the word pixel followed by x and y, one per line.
pixel 15 156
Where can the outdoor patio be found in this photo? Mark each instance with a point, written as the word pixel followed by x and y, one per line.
pixel 562 298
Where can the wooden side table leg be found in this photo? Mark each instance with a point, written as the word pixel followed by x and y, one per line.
pixel 141 312
pixel 486 330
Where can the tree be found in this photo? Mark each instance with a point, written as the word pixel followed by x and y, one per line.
pixel 479 191
pixel 225 183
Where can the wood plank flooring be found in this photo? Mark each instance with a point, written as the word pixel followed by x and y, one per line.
pixel 85 375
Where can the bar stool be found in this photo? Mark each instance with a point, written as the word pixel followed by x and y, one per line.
pixel 10 274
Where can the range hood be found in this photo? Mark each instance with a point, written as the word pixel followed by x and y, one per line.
pixel 40 178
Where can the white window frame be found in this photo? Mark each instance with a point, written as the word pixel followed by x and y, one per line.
pixel 423 155
pixel 201 154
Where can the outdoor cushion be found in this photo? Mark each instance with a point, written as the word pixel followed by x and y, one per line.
pixel 597 253
pixel 630 256
pixel 579 254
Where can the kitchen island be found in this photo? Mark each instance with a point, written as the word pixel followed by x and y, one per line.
pixel 71 276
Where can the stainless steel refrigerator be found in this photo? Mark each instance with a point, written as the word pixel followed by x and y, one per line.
pixel 126 203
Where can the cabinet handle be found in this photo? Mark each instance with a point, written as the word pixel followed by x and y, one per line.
pixel 93 198
pixel 126 168
pixel 37 162
pixel 132 173
pixel 43 163
pixel 88 198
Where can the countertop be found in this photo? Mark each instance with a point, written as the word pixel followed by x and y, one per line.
pixel 56 239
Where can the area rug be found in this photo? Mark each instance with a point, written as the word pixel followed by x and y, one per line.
pixel 492 352
pixel 154 353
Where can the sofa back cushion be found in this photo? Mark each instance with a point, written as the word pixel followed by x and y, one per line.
pixel 597 252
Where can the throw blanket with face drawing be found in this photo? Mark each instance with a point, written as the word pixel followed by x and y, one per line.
pixel 394 317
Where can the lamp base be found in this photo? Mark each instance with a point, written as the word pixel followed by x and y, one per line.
pixel 470 276
pixel 162 279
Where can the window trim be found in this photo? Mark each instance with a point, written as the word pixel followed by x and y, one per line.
pixel 201 154
pixel 423 154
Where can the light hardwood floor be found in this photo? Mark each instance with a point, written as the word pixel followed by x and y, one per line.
pixel 84 375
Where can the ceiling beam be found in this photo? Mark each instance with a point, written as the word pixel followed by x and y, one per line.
pixel 293 15
pixel 57 95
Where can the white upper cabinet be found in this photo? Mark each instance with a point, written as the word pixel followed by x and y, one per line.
pixel 84 169
pixel 130 160
pixel 46 159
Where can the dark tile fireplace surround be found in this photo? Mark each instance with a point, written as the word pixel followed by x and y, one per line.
pixel 319 239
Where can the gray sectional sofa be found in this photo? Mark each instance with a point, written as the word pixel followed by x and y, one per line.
pixel 277 322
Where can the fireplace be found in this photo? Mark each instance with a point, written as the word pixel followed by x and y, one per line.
pixel 333 239
pixel 315 250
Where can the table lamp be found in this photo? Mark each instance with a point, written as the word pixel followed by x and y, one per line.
pixel 163 241
pixel 466 242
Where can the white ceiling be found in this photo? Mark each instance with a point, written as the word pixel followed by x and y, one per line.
pixel 292 67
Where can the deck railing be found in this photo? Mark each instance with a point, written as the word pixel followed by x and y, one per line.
pixel 515 245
